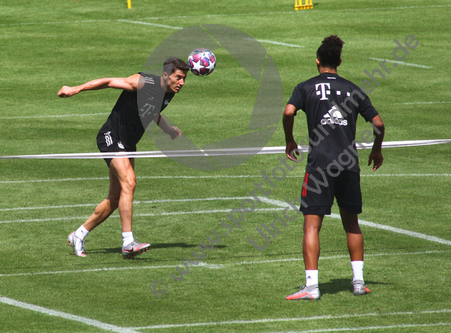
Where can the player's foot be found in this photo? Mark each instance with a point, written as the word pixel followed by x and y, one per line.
pixel 307 293
pixel 77 244
pixel 134 248
pixel 359 288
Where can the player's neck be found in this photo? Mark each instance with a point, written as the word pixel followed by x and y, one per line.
pixel 322 70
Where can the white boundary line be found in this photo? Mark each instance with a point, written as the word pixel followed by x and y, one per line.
pixel 400 62
pixel 365 328
pixel 58 116
pixel 229 15
pixel 215 177
pixel 415 103
pixel 214 266
pixel 375 225
pixel 272 320
pixel 64 315
pixel 152 24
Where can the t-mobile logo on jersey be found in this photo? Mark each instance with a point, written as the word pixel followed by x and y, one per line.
pixel 321 90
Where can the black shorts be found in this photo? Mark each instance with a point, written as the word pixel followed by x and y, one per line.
pixel 108 142
pixel 321 189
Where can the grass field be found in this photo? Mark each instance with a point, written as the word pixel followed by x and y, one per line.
pixel 235 287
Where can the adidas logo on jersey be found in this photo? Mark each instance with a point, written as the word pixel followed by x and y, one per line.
pixel 334 116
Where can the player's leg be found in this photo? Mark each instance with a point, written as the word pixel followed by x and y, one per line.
pixel 101 213
pixel 317 201
pixel 310 241
pixel 124 170
pixel 349 199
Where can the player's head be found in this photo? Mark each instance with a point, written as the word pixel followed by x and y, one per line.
pixel 172 64
pixel 174 74
pixel 329 53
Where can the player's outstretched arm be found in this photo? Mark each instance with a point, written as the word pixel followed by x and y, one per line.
pixel 376 152
pixel 128 83
pixel 173 131
pixel 288 123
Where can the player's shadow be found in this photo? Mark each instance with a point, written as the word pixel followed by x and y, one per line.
pixel 153 246
pixel 182 245
pixel 335 286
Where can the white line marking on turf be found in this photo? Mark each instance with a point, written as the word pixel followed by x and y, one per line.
pixel 401 231
pixel 214 266
pixel 381 226
pixel 134 202
pixel 412 103
pixel 215 177
pixel 400 62
pixel 214 211
pixel 230 15
pixel 152 24
pixel 58 116
pixel 365 328
pixel 59 314
pixel 272 320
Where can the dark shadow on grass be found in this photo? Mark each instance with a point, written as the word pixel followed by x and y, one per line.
pixel 182 245
pixel 153 246
pixel 335 286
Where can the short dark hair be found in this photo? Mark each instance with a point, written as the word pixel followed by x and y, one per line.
pixel 172 64
pixel 329 53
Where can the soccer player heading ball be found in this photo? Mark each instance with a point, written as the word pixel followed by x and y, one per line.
pixel 331 105
pixel 123 129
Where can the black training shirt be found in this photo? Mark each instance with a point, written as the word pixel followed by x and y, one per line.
pixel 332 128
pixel 135 110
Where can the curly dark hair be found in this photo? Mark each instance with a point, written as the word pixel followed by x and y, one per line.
pixel 172 64
pixel 329 53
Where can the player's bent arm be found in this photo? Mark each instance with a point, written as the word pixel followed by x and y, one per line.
pixel 376 152
pixel 130 83
pixel 173 131
pixel 288 123
pixel 379 132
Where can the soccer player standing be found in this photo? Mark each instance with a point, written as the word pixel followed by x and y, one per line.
pixel 122 131
pixel 331 105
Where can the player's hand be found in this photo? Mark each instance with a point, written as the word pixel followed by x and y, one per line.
pixel 377 158
pixel 175 132
pixel 291 151
pixel 66 91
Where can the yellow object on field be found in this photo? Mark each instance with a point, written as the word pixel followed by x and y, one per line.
pixel 129 4
pixel 303 4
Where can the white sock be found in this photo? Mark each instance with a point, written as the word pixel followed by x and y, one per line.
pixel 357 270
pixel 81 232
pixel 127 238
pixel 311 277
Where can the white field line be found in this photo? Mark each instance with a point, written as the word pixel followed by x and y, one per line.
pixel 228 15
pixel 58 116
pixel 214 266
pixel 214 211
pixel 134 202
pixel 376 225
pixel 416 103
pixel 366 328
pixel 308 319
pixel 152 24
pixel 401 63
pixel 214 177
pixel 68 316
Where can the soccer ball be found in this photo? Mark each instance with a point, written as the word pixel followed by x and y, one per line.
pixel 201 62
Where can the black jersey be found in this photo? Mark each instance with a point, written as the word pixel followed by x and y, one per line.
pixel 332 105
pixel 135 110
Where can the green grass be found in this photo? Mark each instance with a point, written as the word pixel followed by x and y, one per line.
pixel 238 288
